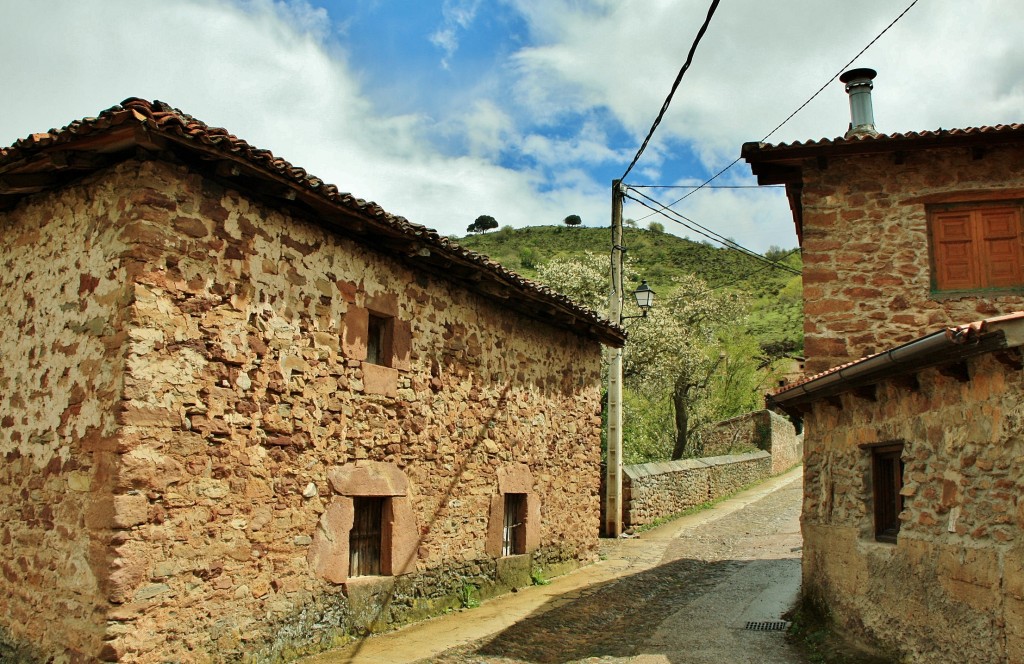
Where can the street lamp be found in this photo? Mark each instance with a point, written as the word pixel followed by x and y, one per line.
pixel 644 297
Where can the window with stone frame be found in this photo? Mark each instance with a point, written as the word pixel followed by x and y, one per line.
pixel 514 519
pixel 514 530
pixel 886 484
pixel 976 247
pixel 368 527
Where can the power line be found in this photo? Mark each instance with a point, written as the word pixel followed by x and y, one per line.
pixel 716 186
pixel 839 73
pixel 793 114
pixel 760 269
pixel 711 235
pixel 679 78
pixel 707 232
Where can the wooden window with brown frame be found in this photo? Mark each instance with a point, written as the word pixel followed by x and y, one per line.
pixel 514 531
pixel 976 247
pixel 886 483
pixel 366 539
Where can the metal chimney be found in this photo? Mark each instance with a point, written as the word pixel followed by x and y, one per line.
pixel 862 115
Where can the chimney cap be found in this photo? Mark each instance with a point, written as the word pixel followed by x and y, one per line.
pixel 854 74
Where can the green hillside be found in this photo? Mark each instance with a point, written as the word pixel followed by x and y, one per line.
pixel 776 320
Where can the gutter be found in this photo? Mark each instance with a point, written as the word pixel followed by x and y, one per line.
pixel 947 346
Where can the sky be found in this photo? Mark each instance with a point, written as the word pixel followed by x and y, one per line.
pixel 525 110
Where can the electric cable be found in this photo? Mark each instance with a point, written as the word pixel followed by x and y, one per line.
pixel 711 235
pixel 704 186
pixel 793 114
pixel 675 84
pixel 706 232
pixel 758 270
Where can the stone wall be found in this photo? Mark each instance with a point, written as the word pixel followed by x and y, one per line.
pixel 952 586
pixel 60 384
pixel 866 276
pixel 246 406
pixel 760 430
pixel 653 491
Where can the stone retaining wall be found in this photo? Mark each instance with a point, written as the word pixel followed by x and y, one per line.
pixel 750 448
pixel 761 430
pixel 652 491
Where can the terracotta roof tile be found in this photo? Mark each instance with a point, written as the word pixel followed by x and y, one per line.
pixel 959 334
pixel 1001 129
pixel 167 122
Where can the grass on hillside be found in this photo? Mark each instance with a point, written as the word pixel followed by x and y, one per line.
pixel 776 295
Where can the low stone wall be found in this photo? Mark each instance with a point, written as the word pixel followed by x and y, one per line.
pixel 785 444
pixel 656 490
pixel 761 430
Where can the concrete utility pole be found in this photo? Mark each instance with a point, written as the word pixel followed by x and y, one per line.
pixel 613 475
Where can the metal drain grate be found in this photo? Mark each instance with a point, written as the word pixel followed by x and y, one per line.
pixel 768 626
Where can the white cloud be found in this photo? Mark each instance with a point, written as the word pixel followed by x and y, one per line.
pixel 264 74
pixel 458 15
pixel 942 65
pixel 759 61
pixel 487 129
pixel 272 73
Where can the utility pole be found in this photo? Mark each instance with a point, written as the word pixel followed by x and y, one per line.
pixel 613 474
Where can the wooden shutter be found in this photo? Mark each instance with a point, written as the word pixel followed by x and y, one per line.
pixel 514 532
pixel 887 466
pixel 1001 259
pixel 977 248
pixel 956 254
pixel 377 351
pixel 366 536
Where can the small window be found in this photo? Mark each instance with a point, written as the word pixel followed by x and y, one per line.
pixel 976 247
pixel 366 538
pixel 514 534
pixel 887 480
pixel 378 340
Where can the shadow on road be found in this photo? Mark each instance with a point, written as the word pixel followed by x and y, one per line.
pixel 621 618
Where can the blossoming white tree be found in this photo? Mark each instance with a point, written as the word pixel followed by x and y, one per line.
pixel 691 351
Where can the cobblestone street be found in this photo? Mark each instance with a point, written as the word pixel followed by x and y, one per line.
pixel 682 593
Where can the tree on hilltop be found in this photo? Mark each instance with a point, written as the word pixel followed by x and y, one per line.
pixel 573 220
pixel 483 223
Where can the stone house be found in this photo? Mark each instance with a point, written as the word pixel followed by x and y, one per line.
pixel 914 442
pixel 245 416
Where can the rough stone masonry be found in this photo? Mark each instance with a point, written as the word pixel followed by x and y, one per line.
pixel 188 416
pixel 867 276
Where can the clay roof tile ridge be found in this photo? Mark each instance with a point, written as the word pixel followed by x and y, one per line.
pixel 164 118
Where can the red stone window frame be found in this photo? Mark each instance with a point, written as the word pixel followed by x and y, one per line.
pixel 381 340
pixel 976 247
pixel 513 526
pixel 886 485
pixel 365 496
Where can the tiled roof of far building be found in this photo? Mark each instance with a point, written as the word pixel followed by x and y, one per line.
pixel 755 152
pixel 951 344
pixel 51 159
pixel 784 163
